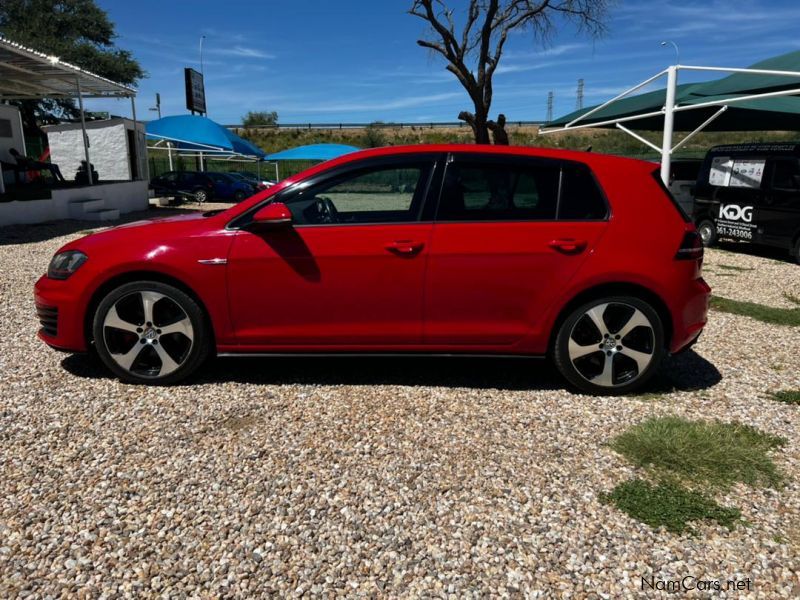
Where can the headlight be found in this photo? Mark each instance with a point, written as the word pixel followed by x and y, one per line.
pixel 65 264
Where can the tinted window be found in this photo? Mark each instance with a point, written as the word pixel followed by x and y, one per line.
pixel 477 191
pixel 785 174
pixel 378 195
pixel 581 199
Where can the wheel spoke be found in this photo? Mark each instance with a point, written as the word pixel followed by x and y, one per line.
pixel 577 351
pixel 637 320
pixel 596 315
pixel 149 300
pixel 126 360
pixel 167 364
pixel 183 326
pixel 606 378
pixel 114 320
pixel 642 358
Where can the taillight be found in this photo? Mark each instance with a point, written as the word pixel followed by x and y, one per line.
pixel 691 247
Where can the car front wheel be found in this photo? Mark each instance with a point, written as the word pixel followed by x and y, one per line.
pixel 150 332
pixel 610 346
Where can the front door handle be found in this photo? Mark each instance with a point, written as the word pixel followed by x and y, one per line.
pixel 568 245
pixel 405 247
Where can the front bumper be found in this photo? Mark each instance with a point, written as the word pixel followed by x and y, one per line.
pixel 60 314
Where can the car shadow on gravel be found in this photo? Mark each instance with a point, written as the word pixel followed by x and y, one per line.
pixel 684 372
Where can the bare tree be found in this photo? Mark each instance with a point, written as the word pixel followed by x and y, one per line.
pixel 473 53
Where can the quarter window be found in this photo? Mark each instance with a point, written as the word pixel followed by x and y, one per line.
pixel 580 197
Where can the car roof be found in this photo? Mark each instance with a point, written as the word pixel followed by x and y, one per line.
pixel 589 158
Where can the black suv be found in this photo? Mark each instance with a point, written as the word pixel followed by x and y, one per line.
pixel 184 184
pixel 750 193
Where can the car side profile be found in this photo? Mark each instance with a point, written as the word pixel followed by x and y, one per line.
pixel 436 249
pixel 184 184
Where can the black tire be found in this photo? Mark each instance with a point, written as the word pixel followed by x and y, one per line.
pixel 239 195
pixel 796 251
pixel 592 365
pixel 165 357
pixel 201 196
pixel 708 232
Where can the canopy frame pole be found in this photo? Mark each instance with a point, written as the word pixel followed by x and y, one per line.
pixel 277 174
pixel 135 137
pixel 617 97
pixel 85 135
pixel 169 154
pixel 639 137
pixel 654 113
pixel 792 92
pixel 669 123
pixel 700 128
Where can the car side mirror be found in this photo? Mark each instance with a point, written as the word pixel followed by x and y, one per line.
pixel 274 213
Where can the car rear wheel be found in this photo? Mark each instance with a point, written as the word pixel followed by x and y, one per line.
pixel 708 232
pixel 610 346
pixel 239 195
pixel 150 332
pixel 797 250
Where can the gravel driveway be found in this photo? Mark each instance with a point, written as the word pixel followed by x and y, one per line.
pixel 379 477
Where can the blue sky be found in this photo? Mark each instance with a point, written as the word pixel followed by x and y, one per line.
pixel 357 60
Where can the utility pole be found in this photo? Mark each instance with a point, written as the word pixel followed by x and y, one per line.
pixel 549 107
pixel 579 99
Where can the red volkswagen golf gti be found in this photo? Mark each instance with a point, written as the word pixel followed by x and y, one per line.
pixel 424 249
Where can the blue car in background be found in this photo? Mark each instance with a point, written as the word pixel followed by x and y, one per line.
pixel 227 186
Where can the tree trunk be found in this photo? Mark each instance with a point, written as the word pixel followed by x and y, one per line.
pixel 478 123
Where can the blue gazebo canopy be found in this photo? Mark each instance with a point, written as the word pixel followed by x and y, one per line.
pixel 201 134
pixel 313 152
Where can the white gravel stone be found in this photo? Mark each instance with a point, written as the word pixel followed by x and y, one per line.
pixel 370 477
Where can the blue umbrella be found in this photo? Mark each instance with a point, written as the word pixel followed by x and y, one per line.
pixel 313 152
pixel 193 132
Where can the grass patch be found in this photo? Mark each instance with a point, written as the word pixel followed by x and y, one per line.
pixel 789 317
pixel 735 268
pixel 669 506
pixel 704 453
pixel 787 396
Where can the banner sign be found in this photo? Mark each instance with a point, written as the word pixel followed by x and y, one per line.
pixel 195 91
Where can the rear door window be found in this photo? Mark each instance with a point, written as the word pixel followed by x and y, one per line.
pixel 479 190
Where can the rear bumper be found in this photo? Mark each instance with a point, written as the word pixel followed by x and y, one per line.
pixel 60 315
pixel 690 315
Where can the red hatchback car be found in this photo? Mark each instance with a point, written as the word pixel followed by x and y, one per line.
pixel 425 249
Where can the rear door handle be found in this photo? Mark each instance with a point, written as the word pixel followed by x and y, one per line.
pixel 568 245
pixel 405 247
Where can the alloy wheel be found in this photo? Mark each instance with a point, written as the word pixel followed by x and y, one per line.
pixel 148 334
pixel 706 231
pixel 611 344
